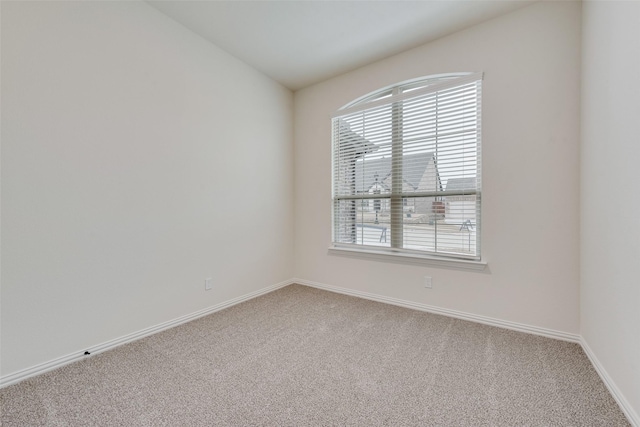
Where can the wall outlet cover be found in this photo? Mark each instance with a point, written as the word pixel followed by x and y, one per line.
pixel 428 282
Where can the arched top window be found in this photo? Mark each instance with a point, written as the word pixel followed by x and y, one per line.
pixel 420 139
pixel 403 87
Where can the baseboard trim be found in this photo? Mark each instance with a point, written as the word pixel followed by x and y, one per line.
pixel 41 368
pixel 521 327
pixel 628 411
pixel 626 408
pixel 108 345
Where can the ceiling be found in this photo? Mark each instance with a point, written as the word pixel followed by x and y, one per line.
pixel 298 43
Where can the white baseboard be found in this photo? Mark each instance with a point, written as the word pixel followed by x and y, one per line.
pixel 626 408
pixel 108 345
pixel 64 360
pixel 631 415
pixel 521 327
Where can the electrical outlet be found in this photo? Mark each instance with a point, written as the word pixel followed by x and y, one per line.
pixel 207 284
pixel 427 282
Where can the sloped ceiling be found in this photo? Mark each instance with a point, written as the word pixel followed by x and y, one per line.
pixel 298 43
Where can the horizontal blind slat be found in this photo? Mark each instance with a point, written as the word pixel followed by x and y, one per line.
pixel 437 128
pixel 471 79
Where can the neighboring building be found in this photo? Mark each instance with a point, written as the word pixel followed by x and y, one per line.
pixel 459 209
pixel 420 173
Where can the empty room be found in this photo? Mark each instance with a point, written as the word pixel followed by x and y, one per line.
pixel 314 213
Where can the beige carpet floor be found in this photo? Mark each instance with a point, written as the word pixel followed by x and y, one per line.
pixel 305 357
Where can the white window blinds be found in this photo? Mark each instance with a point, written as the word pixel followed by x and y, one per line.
pixel 406 169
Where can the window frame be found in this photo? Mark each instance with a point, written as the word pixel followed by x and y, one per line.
pixel 397 197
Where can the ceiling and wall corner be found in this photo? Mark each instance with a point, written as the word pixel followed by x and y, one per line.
pixel 530 124
pixel 129 79
pixel 299 43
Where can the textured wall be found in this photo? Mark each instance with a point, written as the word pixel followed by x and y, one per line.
pixel 132 150
pixel 610 204
pixel 531 92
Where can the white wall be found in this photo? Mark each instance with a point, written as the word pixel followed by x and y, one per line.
pixel 120 128
pixel 132 150
pixel 610 201
pixel 531 93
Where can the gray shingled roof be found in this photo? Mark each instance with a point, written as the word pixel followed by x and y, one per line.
pixel 461 183
pixel 350 140
pixel 414 166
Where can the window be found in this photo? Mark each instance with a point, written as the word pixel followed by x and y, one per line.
pixel 406 169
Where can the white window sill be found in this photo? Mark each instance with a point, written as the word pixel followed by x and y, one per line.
pixel 406 258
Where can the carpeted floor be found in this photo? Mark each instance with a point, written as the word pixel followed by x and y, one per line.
pixel 305 357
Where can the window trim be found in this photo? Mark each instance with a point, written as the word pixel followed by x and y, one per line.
pixel 368 253
pixel 364 103
pixel 407 84
pixel 392 95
